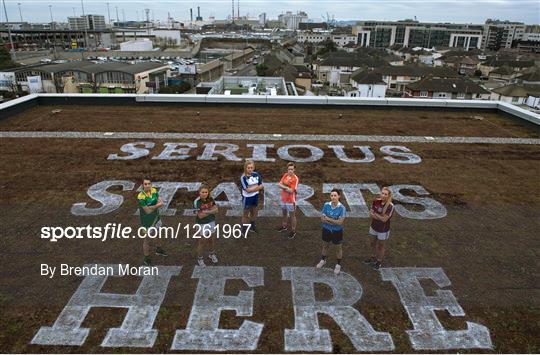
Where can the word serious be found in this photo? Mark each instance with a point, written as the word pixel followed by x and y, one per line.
pixel 300 153
pixel 202 332
pixel 410 201
pixel 98 270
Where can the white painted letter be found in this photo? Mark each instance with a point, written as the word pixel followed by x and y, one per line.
pixel 136 330
pixel 172 152
pixel 340 153
pixel 433 209
pixel 411 158
pixel 346 291
pixel 134 151
pixel 259 152
pixel 202 332
pixel 98 192
pixel 315 153
pixel 428 333
pixel 227 153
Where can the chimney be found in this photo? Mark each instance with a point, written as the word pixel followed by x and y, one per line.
pixel 198 11
pixel 191 14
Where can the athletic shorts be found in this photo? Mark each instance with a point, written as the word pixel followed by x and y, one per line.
pixel 154 228
pixel 379 235
pixel 289 206
pixel 250 202
pixel 207 228
pixel 329 236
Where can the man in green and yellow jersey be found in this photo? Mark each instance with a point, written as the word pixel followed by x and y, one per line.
pixel 149 204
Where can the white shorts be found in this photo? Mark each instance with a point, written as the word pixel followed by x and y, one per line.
pixel 208 228
pixel 379 235
pixel 289 207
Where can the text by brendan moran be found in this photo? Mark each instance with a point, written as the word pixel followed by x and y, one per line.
pixel 51 271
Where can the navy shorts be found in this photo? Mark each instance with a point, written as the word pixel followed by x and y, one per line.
pixel 334 237
pixel 250 202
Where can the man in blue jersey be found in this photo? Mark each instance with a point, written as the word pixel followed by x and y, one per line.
pixel 333 215
pixel 251 185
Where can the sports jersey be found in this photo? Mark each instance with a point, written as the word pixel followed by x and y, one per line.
pixel 249 181
pixel 204 206
pixel 380 226
pixel 290 182
pixel 335 213
pixel 148 219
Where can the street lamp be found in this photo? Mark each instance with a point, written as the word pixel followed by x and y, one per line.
pixel 54 34
pixel 20 12
pixel 13 56
pixel 85 30
pixel 109 14
pixel 52 21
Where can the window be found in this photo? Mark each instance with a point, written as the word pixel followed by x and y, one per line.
pixel 461 95
pixel 515 100
pixel 423 94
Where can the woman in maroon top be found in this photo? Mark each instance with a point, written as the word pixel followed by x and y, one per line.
pixel 381 212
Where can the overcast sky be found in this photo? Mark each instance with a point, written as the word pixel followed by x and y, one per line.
pixel 458 11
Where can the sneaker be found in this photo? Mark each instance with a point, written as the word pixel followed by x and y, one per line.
pixel 147 261
pixel 213 257
pixel 376 265
pixel 160 251
pixel 254 229
pixel 292 235
pixel 281 229
pixel 370 261
pixel 200 261
pixel 321 264
pixel 337 269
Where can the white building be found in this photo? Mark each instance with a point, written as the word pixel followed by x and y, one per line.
pixel 88 22
pixel 317 37
pixel 292 21
pixel 501 34
pixel 366 84
pixel 342 39
pixel 531 37
pixel 262 19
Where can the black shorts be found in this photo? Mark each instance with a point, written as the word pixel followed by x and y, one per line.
pixel 332 237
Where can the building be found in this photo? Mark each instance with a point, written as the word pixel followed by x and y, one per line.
pixel 88 77
pixel 501 34
pixel 398 77
pixel 365 83
pixel 262 19
pixel 503 73
pixel 292 21
pixel 411 33
pixel 529 76
pixel 158 36
pixel 65 39
pixel 336 68
pixel 446 88
pixel 210 71
pixel 88 22
pixel 518 94
pixel 244 85
pixel 493 63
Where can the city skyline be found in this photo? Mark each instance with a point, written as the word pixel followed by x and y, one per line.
pixel 477 12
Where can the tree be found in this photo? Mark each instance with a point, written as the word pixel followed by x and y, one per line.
pixel 327 46
pixel 5 59
pixel 261 69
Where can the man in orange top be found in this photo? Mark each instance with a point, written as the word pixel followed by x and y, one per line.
pixel 289 185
